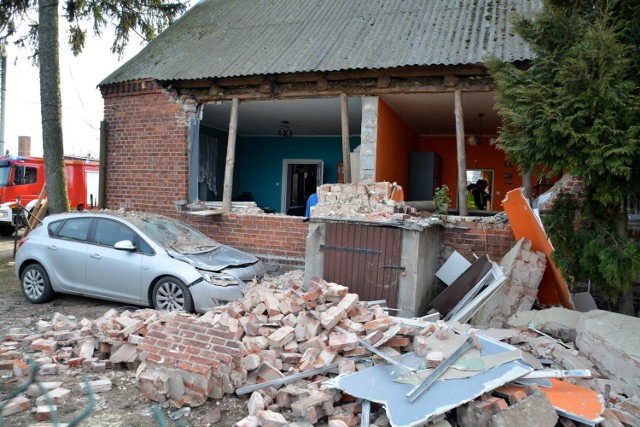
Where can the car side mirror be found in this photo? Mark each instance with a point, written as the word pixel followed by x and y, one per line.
pixel 125 245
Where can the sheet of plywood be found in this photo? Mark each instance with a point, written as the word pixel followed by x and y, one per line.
pixel 553 289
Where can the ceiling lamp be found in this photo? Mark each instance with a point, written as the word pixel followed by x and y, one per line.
pixel 285 129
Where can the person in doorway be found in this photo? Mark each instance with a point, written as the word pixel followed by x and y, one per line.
pixel 477 197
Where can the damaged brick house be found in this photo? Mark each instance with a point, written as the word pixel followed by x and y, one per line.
pixel 264 101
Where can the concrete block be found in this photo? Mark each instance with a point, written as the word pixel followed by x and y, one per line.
pixel 535 407
pixel 612 342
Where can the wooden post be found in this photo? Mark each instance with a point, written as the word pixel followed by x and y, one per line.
pixel 462 156
pixel 231 156
pixel 346 148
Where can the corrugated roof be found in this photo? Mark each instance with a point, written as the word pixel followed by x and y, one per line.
pixel 227 38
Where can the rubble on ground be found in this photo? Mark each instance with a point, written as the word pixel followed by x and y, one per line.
pixel 287 350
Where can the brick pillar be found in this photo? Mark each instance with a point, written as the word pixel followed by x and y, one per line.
pixel 369 139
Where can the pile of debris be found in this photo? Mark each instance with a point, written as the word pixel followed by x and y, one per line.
pixel 372 202
pixel 321 354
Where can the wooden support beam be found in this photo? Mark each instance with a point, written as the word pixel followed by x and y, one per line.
pixel 346 148
pixel 367 87
pixel 384 81
pixel 461 156
pixel 231 156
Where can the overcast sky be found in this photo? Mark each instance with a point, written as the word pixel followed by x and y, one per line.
pixel 82 106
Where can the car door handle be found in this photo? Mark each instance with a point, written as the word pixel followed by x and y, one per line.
pixel 95 256
pixel 53 247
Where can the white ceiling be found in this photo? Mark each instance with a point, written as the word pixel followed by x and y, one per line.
pixel 427 114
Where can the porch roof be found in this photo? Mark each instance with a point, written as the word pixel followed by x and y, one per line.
pixel 222 38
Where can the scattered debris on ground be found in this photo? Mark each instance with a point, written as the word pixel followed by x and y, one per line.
pixel 312 356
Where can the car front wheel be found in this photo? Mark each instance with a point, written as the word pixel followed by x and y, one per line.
pixel 171 294
pixel 35 284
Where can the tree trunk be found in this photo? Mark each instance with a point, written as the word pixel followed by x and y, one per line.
pixel 51 106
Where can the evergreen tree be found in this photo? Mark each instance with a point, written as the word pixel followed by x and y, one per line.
pixel 144 17
pixel 575 109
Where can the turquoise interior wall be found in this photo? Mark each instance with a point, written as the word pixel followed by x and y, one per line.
pixel 258 166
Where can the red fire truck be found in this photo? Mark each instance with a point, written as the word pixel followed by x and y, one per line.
pixel 24 177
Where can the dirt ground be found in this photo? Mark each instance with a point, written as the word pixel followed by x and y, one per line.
pixel 123 405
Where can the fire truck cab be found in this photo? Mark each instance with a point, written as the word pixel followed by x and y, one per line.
pixel 24 177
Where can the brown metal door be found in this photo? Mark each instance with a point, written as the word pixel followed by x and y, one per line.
pixel 364 258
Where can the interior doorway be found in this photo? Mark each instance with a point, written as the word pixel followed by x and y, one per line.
pixel 473 175
pixel 300 179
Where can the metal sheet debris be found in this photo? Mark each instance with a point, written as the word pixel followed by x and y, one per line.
pixel 452 268
pixel 378 384
pixel 572 401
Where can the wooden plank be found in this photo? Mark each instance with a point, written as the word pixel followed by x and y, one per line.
pixel 231 155
pixel 346 148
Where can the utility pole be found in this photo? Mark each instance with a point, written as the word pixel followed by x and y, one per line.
pixel 3 94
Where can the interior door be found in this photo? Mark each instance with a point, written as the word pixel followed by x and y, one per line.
pixel 301 178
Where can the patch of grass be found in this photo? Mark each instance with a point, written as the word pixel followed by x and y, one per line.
pixel 8 281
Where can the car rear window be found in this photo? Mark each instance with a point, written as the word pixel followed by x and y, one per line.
pixel 75 229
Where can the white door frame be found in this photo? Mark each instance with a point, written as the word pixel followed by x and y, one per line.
pixel 285 181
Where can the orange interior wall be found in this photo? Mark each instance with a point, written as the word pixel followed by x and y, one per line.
pixel 395 141
pixel 483 156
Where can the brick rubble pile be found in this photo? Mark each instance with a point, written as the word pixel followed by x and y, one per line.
pixel 275 331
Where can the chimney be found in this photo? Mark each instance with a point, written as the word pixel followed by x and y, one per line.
pixel 24 146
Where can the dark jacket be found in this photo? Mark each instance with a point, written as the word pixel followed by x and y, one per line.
pixel 477 198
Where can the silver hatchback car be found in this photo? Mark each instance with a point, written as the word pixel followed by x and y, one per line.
pixel 136 258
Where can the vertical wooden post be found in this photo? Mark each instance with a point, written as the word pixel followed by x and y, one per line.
pixel 231 156
pixel 346 148
pixel 462 156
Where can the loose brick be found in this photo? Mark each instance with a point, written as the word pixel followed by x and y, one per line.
pixel 17 404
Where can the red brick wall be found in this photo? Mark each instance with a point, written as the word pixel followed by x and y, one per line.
pixel 479 236
pixel 147 157
pixel 278 239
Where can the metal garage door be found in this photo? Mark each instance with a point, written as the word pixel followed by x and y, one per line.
pixel 364 258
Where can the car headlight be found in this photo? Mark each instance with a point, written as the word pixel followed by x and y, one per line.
pixel 219 279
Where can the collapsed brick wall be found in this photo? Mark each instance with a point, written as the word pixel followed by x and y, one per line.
pixel 476 235
pixel 147 156
pixel 569 184
pixel 276 239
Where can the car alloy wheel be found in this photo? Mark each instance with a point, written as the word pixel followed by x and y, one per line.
pixel 35 284
pixel 171 294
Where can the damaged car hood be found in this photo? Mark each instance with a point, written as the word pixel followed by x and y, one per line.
pixel 218 259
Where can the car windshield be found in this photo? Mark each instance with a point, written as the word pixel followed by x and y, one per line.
pixel 172 234
pixel 5 172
